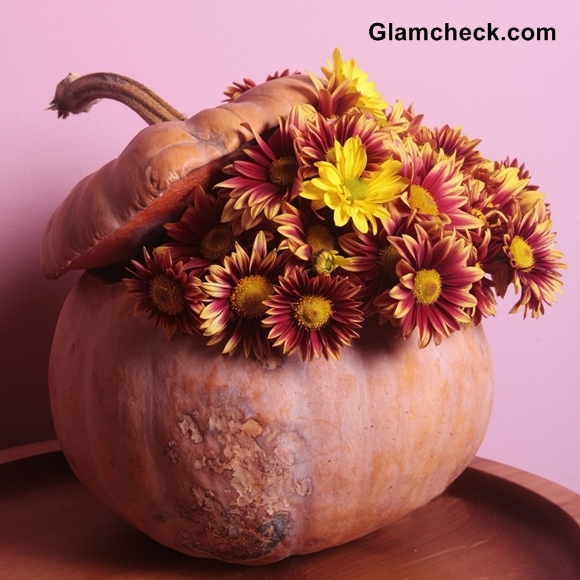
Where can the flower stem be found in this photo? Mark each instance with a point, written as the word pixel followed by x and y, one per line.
pixel 77 94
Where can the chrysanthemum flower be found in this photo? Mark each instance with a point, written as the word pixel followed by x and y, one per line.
pixel 436 192
pixel 401 121
pixel 480 205
pixel 317 316
pixel 334 100
pixel 328 261
pixel 497 194
pixel 433 294
pixel 374 260
pixel 508 191
pixel 304 232
pixel 260 184
pixel 199 238
pixel 341 187
pixel 170 294
pixel 316 142
pixel 523 173
pixel 457 145
pixel 534 264
pixel 511 192
pixel 483 289
pixel 369 99
pixel 237 291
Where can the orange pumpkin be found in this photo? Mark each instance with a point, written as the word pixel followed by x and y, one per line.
pixel 228 457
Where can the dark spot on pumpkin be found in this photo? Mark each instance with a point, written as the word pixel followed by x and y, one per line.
pixel 163 517
pixel 274 531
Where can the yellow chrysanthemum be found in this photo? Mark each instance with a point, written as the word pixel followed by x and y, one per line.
pixel 370 100
pixel 341 187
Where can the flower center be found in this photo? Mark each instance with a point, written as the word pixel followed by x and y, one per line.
pixel 319 238
pixel 282 171
pixel 387 261
pixel 421 200
pixel 427 287
pixel 331 155
pixel 522 253
pixel 356 188
pixel 166 294
pixel 249 294
pixel 312 312
pixel 218 242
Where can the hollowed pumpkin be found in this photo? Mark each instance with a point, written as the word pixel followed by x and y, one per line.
pixel 228 457
pixel 250 462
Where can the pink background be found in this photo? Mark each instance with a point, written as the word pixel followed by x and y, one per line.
pixel 521 98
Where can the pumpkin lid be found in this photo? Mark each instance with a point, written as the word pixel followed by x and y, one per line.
pixel 114 211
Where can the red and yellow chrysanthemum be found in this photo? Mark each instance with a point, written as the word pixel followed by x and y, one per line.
pixel 533 263
pixel 342 187
pixel 401 121
pixel 260 184
pixel 200 238
pixel 373 259
pixel 304 232
pixel 315 316
pixel 167 292
pixel 433 294
pixel 436 191
pixel 236 293
pixel 310 240
pixel 483 289
pixel 348 73
pixel 454 144
pixel 316 142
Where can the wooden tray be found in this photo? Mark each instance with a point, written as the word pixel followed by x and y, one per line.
pixel 494 522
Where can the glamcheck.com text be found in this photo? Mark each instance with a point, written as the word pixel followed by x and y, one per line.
pixel 378 31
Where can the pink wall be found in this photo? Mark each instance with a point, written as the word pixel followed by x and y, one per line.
pixel 519 97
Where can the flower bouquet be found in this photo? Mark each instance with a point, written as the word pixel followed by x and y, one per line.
pixel 302 222
pixel 342 212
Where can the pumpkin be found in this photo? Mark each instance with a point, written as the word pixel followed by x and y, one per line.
pixel 232 458
pixel 250 462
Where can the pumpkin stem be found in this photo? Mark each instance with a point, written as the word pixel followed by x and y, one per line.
pixel 77 94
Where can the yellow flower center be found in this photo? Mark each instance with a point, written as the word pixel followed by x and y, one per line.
pixel 283 171
pixel 249 294
pixel 218 242
pixel 331 155
pixel 427 287
pixel 387 261
pixel 324 262
pixel 421 200
pixel 312 312
pixel 522 253
pixel 356 188
pixel 319 238
pixel 166 294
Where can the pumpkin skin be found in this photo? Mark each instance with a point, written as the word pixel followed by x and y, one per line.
pixel 249 462
pixel 112 212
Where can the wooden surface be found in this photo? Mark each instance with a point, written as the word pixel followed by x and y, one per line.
pixel 494 522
